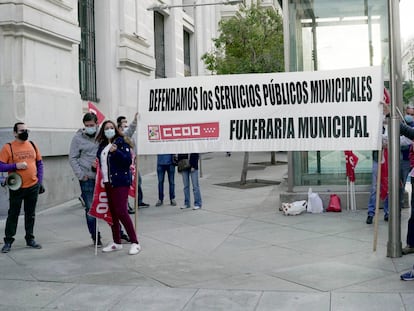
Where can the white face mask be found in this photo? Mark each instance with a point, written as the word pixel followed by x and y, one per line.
pixel 124 129
pixel 109 133
pixel 90 130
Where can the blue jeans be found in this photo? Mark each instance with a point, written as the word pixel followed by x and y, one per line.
pixel 193 174
pixel 87 189
pixel 170 169
pixel 29 196
pixel 410 231
pixel 373 194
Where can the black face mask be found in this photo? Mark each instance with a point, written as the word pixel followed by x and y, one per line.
pixel 23 136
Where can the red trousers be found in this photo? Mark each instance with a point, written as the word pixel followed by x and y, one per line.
pixel 118 202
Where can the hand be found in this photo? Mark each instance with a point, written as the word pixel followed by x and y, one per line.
pixel 136 116
pixel 113 148
pixel 41 189
pixel 21 165
pixel 85 178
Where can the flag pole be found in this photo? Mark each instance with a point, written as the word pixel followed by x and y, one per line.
pixel 96 237
pixel 377 199
pixel 348 195
pixel 352 195
pixel 136 203
pixel 136 194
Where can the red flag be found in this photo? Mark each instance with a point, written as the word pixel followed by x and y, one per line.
pixel 132 188
pixel 100 207
pixel 384 175
pixel 351 161
pixel 92 108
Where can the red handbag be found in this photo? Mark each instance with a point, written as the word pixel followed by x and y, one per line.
pixel 334 204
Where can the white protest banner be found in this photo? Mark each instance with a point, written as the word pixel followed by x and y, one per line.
pixel 321 110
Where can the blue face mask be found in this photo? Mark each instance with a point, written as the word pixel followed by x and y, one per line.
pixel 409 119
pixel 90 130
pixel 109 133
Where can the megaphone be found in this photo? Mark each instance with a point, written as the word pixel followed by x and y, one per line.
pixel 13 181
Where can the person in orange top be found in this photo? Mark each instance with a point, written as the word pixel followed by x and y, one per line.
pixel 22 157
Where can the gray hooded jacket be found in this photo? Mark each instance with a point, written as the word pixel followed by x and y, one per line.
pixel 82 154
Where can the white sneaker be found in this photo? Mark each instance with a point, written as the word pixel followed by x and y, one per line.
pixel 135 249
pixel 196 207
pixel 173 202
pixel 112 247
pixel 185 206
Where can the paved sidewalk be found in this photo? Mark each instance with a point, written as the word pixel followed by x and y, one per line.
pixel 237 253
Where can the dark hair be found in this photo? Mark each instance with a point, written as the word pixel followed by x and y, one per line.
pixel 119 120
pixel 410 106
pixel 16 125
pixel 90 116
pixel 100 138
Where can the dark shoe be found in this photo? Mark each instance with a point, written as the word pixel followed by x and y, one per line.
pixel 369 219
pixel 143 205
pixel 385 217
pixel 131 210
pixel 99 245
pixel 125 237
pixel 159 203
pixel 6 248
pixel 33 244
pixel 408 250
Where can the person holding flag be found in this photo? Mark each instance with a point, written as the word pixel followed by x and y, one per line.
pixel 383 166
pixel 405 131
pixel 129 130
pixel 114 157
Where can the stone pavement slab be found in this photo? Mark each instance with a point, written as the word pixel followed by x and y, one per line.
pixel 237 253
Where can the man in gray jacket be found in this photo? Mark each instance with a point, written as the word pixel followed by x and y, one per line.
pixel 82 157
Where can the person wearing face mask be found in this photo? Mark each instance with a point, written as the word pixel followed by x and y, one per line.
pixel 373 193
pixel 114 156
pixel 128 131
pixel 82 155
pixel 405 144
pixel 22 156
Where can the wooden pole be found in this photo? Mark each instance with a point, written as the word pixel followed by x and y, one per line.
pixel 136 195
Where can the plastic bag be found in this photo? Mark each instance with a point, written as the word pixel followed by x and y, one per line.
pixel 315 204
pixel 294 208
pixel 334 204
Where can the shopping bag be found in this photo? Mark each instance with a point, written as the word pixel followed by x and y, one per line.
pixel 294 208
pixel 334 204
pixel 315 204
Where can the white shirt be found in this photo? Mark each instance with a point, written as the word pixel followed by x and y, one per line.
pixel 104 163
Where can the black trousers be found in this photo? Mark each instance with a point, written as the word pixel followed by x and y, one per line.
pixel 29 197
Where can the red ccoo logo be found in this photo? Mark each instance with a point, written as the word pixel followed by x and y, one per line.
pixel 184 131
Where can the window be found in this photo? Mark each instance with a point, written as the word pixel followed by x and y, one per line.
pixel 159 45
pixel 87 59
pixel 187 59
pixel 327 35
